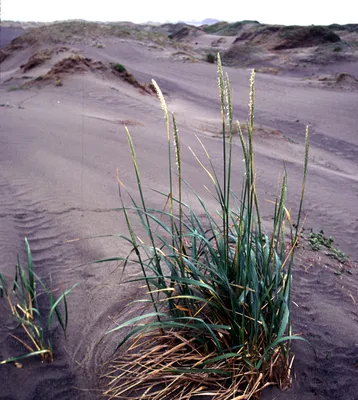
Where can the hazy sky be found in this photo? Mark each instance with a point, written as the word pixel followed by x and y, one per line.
pixel 302 12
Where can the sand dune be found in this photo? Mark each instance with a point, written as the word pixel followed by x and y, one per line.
pixel 62 144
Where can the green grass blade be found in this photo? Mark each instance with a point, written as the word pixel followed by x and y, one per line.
pixel 54 309
pixel 27 355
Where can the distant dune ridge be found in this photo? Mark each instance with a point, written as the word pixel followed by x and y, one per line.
pixel 243 43
pixel 69 88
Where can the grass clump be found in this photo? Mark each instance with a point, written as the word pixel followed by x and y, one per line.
pixel 119 68
pixel 318 241
pixel 219 285
pixel 211 58
pixel 13 88
pixel 344 76
pixel 58 82
pixel 23 303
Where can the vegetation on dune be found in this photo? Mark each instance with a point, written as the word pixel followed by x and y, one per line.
pixel 40 57
pixel 119 67
pixel 211 58
pixel 219 285
pixel 228 29
pixel 216 27
pixel 346 27
pixel 244 55
pixel 12 88
pixel 37 59
pixel 318 241
pixel 279 37
pixel 75 63
pixel 344 76
pixel 73 32
pixel 185 33
pixel 121 71
pixel 305 36
pixel 33 317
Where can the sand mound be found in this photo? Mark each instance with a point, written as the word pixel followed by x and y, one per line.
pixel 186 33
pixel 223 28
pixel 69 65
pixel 76 63
pixel 75 32
pixel 183 56
pixel 305 36
pixel 287 47
pixel 288 37
pixel 346 27
pixel 41 57
pixel 257 34
pixel 218 42
pixel 169 29
pixel 244 55
pixel 37 59
pixel 343 80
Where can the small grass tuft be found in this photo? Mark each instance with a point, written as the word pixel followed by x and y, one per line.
pixel 23 302
pixel 211 58
pixel 120 68
pixel 13 88
pixel 318 241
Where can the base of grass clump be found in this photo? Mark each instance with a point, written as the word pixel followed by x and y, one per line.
pixel 171 366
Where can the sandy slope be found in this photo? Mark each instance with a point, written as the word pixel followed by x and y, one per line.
pixel 8 34
pixel 61 146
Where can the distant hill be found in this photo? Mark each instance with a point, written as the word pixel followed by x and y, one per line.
pixel 225 28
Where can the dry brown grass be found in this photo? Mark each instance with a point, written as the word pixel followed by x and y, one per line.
pixel 69 65
pixel 170 366
pixel 37 59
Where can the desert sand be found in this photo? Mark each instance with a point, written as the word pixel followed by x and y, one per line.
pixel 62 134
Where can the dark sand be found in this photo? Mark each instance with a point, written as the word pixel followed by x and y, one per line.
pixel 59 151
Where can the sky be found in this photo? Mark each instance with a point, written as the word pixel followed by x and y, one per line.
pixel 299 12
